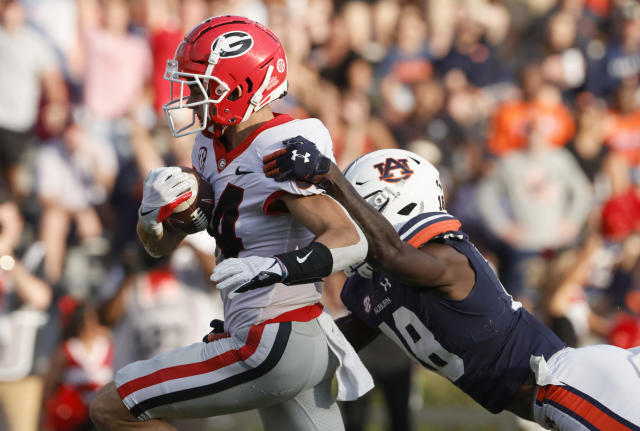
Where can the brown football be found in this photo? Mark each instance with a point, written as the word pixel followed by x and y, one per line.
pixel 193 215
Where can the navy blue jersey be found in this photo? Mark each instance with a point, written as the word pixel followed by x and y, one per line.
pixel 482 343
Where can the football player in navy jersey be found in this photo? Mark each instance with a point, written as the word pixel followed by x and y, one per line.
pixel 427 287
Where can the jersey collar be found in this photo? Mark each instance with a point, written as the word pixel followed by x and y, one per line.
pixel 424 227
pixel 224 157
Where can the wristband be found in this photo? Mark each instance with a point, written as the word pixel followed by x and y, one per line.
pixel 307 264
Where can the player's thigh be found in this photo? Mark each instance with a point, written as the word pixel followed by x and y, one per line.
pixel 261 368
pixel 601 386
pixel 313 409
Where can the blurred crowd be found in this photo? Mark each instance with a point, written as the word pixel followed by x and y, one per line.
pixel 529 108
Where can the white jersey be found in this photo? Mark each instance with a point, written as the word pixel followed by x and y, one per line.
pixel 248 220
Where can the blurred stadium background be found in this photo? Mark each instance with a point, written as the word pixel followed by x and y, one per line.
pixel 529 108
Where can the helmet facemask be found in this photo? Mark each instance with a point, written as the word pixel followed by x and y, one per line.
pixel 181 98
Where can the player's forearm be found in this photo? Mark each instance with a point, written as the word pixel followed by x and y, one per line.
pixel 158 246
pixel 384 243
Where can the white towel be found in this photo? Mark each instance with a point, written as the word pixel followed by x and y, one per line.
pixel 544 376
pixel 353 378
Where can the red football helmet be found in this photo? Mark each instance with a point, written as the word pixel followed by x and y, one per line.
pixel 232 67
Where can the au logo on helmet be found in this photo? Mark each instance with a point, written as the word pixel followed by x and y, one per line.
pixel 394 170
pixel 235 44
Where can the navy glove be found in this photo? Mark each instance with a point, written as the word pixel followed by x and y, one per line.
pixel 216 332
pixel 298 160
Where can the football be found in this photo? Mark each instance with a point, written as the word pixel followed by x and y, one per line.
pixel 193 215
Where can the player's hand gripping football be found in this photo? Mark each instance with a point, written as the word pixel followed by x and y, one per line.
pixel 164 189
pixel 298 160
pixel 241 275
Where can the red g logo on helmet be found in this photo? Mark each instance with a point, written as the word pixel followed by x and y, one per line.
pixel 394 170
pixel 234 44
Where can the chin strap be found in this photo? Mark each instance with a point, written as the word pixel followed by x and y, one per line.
pixel 254 104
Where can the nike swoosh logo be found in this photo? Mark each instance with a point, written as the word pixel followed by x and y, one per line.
pixel 304 258
pixel 144 213
pixel 239 172
pixel 358 183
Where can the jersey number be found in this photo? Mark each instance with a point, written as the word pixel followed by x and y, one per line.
pixel 423 345
pixel 223 222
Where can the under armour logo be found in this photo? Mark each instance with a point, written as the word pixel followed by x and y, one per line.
pixel 295 154
pixel 386 284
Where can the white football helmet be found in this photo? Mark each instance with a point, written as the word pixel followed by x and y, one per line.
pixel 399 184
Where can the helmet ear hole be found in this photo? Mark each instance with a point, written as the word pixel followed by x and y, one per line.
pixel 406 210
pixel 235 94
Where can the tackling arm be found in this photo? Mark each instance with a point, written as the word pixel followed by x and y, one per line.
pixel 386 251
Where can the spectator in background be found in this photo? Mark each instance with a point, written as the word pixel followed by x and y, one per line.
pixel 160 304
pixel 537 199
pixel 361 132
pixel 384 16
pixel 619 58
pixel 332 58
pixel 407 62
pixel 29 71
pixel 167 23
pixel 538 101
pixel 75 176
pixel 562 60
pixel 116 100
pixel 57 21
pixel 23 299
pixel 588 146
pixel 621 227
pixel 565 301
pixel 621 134
pixel 81 365
pixel 357 15
pixel 471 53
pixel 409 59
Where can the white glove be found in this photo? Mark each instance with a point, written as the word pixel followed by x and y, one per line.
pixel 247 273
pixel 164 189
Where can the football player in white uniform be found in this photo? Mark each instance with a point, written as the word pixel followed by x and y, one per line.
pixel 279 351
